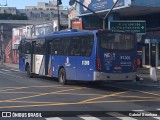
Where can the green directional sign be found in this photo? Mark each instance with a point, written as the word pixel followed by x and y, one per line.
pixel 133 26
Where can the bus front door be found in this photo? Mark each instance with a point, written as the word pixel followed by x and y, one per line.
pixel 48 58
pixel 22 62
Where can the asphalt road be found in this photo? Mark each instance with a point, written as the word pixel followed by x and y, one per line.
pixel 80 101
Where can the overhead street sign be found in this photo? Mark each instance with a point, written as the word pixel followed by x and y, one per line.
pixel 133 26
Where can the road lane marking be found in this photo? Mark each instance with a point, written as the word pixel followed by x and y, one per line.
pixel 54 93
pixel 75 103
pixel 135 90
pixel 135 97
pixel 88 117
pixel 5 70
pixel 158 118
pixel 29 102
pixel 18 88
pixel 15 88
pixel 137 110
pixel 14 70
pixel 120 116
pixel 84 103
pixel 35 86
pixel 103 96
pixel 53 118
pixel 44 94
pixel 11 75
pixel 145 112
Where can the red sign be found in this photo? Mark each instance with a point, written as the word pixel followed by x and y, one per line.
pixel 77 24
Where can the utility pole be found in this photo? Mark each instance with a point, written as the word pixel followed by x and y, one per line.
pixel 104 19
pixel 2 46
pixel 58 17
pixel 59 2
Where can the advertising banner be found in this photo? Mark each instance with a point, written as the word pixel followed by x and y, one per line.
pixel 43 29
pixel 18 34
pixel 99 5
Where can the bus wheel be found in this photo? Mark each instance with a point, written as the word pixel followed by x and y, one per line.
pixel 62 76
pixel 29 74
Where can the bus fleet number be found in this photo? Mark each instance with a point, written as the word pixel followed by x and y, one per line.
pixel 85 62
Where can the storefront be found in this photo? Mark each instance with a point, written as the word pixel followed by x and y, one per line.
pixel 148 47
pixel 124 10
pixel 151 51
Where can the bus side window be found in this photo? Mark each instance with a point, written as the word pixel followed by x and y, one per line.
pixel 28 48
pixel 65 46
pixel 34 48
pixel 40 47
pixel 56 46
pixel 22 48
pixel 87 45
pixel 50 48
pixel 76 47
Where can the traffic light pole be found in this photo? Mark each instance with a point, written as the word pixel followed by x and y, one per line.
pixel 58 17
pixel 59 2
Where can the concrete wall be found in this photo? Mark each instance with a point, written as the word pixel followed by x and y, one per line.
pixel 9 10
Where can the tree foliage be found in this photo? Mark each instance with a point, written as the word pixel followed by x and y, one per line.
pixel 12 17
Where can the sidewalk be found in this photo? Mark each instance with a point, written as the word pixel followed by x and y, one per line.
pixel 141 73
pixel 11 65
pixel 144 74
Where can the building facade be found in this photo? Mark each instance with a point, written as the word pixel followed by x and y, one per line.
pixel 128 12
pixel 43 11
pixel 46 13
pixel 9 10
pixel 52 5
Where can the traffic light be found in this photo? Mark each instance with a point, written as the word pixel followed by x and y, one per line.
pixel 59 2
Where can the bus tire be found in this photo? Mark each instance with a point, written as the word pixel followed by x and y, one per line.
pixel 29 74
pixel 62 76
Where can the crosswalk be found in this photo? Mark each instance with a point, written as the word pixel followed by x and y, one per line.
pixel 152 115
pixel 9 70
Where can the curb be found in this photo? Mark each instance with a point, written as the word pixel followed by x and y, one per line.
pixel 148 80
pixel 10 66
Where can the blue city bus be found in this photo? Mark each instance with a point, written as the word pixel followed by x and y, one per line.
pixel 87 55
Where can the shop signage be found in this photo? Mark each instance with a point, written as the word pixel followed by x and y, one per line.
pixel 133 26
pixel 99 5
pixel 77 24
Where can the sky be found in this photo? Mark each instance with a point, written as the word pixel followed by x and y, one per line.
pixel 20 4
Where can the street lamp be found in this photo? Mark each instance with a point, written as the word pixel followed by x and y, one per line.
pixel 59 2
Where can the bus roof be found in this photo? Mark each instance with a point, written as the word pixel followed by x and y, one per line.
pixel 65 33
pixel 72 32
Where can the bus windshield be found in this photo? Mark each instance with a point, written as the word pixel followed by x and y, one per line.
pixel 117 41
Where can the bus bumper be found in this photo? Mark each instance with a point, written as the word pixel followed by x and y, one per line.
pixel 111 77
